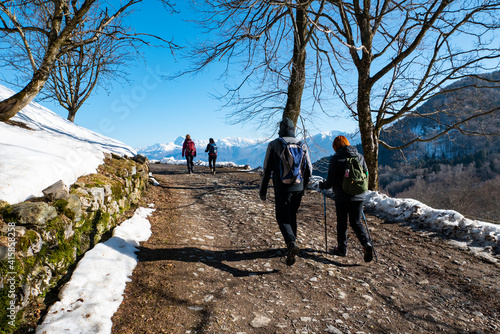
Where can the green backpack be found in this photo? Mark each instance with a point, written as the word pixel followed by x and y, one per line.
pixel 355 179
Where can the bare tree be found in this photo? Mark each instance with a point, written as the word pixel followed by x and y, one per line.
pixel 75 76
pixel 401 53
pixel 384 59
pixel 268 41
pixel 43 32
pixel 78 72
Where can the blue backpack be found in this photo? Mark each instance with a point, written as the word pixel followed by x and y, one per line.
pixel 212 150
pixel 292 162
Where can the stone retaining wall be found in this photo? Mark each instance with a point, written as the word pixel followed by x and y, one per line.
pixel 41 238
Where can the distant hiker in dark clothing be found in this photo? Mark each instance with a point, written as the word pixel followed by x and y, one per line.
pixel 287 196
pixel 212 154
pixel 345 204
pixel 189 151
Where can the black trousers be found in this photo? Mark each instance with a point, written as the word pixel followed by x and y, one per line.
pixel 211 161
pixel 352 211
pixel 189 160
pixel 286 206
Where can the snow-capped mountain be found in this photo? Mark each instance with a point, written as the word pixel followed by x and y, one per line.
pixel 244 151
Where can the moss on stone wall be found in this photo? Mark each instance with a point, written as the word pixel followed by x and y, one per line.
pixel 49 243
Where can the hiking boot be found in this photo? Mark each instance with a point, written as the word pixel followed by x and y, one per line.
pixel 292 251
pixel 335 251
pixel 368 252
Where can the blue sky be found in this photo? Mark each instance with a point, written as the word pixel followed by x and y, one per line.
pixel 153 110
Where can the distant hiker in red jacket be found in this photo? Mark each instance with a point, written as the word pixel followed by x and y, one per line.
pixel 189 151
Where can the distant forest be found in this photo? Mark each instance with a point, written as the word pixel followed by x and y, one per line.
pixel 456 171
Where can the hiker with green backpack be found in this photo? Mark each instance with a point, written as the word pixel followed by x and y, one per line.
pixel 348 176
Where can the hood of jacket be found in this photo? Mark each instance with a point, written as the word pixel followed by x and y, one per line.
pixel 287 128
pixel 348 151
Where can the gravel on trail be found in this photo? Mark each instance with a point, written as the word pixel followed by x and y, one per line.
pixel 215 264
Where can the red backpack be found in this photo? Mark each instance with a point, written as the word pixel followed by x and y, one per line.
pixel 190 148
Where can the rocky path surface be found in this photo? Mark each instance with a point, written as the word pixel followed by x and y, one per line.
pixel 215 264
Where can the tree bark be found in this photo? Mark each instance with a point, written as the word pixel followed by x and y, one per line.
pixel 298 75
pixel 12 105
pixel 369 133
pixel 71 115
pixel 368 130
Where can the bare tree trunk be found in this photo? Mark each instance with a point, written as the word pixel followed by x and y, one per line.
pixel 369 134
pixel 370 142
pixel 297 78
pixel 12 105
pixel 71 115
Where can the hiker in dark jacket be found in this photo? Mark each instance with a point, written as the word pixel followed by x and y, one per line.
pixel 287 196
pixel 189 151
pixel 212 154
pixel 345 204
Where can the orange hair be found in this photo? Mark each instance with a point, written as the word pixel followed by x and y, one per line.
pixel 188 137
pixel 339 142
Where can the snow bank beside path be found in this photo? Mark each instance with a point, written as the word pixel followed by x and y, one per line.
pixel 56 149
pixel 473 233
pixel 33 160
pixel 95 291
pixel 453 224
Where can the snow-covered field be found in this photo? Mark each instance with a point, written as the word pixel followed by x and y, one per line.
pixel 57 150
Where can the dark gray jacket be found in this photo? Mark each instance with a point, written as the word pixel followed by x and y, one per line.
pixel 336 173
pixel 271 162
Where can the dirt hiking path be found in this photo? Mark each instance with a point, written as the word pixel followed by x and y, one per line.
pixel 214 264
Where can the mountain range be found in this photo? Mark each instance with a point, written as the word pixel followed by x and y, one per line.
pixel 244 151
pixel 460 100
pixel 446 108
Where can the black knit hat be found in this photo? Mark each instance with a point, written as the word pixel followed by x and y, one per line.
pixel 287 128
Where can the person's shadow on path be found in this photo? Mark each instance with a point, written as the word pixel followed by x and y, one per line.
pixel 216 259
pixel 211 258
pixel 312 254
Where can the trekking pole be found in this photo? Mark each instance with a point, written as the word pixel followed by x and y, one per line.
pixel 369 236
pixel 324 209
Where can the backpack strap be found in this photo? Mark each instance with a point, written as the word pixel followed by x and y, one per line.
pixel 285 143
